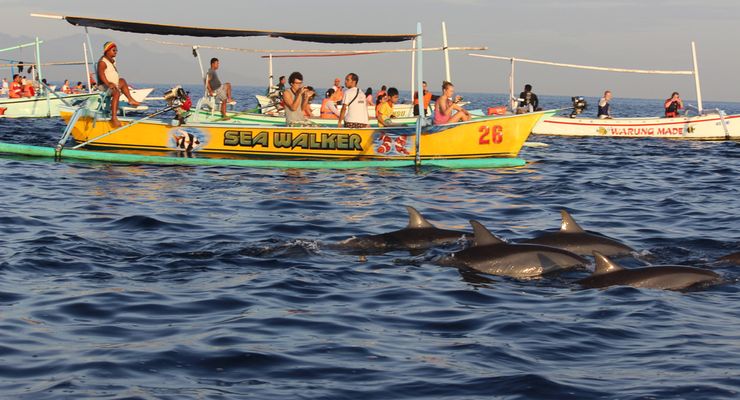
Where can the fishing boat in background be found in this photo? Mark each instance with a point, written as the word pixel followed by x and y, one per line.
pixel 702 125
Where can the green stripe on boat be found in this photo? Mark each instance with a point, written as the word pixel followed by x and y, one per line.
pixel 40 151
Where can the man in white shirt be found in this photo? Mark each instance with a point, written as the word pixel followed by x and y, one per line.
pixel 354 107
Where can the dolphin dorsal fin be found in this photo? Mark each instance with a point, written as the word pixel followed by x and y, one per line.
pixel 416 220
pixel 483 236
pixel 569 225
pixel 604 265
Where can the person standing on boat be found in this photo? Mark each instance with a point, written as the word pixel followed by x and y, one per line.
pixel 328 107
pixel 604 111
pixel 307 111
pixel 295 99
pixel 444 107
pixel 354 106
pixel 382 91
pixel 672 105
pixel 338 92
pixel 428 98
pixel 369 97
pixel 109 80
pixel 528 101
pixel 221 92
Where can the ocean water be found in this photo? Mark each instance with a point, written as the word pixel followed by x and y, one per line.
pixel 171 282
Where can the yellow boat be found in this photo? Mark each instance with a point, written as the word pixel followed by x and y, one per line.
pixel 494 137
pixel 485 137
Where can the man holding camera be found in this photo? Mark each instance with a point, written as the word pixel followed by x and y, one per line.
pixel 672 105
pixel 296 99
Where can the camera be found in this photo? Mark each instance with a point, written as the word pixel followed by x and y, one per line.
pixel 176 95
pixel 579 104
pixel 178 99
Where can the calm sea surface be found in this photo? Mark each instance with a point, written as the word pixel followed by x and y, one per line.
pixel 169 282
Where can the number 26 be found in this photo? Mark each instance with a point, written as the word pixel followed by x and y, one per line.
pixel 496 132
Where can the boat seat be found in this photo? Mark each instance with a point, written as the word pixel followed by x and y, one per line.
pixel 213 105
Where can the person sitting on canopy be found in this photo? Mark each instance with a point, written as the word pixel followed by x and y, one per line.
pixel 672 105
pixel 110 81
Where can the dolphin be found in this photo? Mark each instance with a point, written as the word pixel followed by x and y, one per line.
pixel 419 234
pixel 575 239
pixel 491 255
pixel 670 277
pixel 733 258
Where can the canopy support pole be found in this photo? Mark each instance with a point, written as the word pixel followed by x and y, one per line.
pixel 269 80
pixel 696 78
pixel 413 67
pixel 87 67
pixel 40 77
pixel 89 49
pixel 420 89
pixel 512 102
pixel 196 53
pixel 446 51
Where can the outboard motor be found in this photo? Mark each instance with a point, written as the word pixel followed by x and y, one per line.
pixel 178 99
pixel 579 104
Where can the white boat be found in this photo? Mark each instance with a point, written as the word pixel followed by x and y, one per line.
pixel 40 106
pixel 708 126
pixel 47 102
pixel 705 125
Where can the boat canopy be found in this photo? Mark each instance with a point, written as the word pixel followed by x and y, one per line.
pixel 161 29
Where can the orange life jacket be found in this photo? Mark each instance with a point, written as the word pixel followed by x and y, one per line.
pixel 15 90
pixel 325 111
pixel 427 98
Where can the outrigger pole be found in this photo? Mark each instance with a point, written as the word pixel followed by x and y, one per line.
pixel 513 60
pixel 696 78
pixel 420 88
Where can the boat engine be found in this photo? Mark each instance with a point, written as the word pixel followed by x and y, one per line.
pixel 178 99
pixel 579 104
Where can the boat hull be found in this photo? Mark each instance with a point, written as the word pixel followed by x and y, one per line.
pixel 704 127
pixel 482 138
pixel 39 107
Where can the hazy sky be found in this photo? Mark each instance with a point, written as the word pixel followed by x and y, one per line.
pixel 652 34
